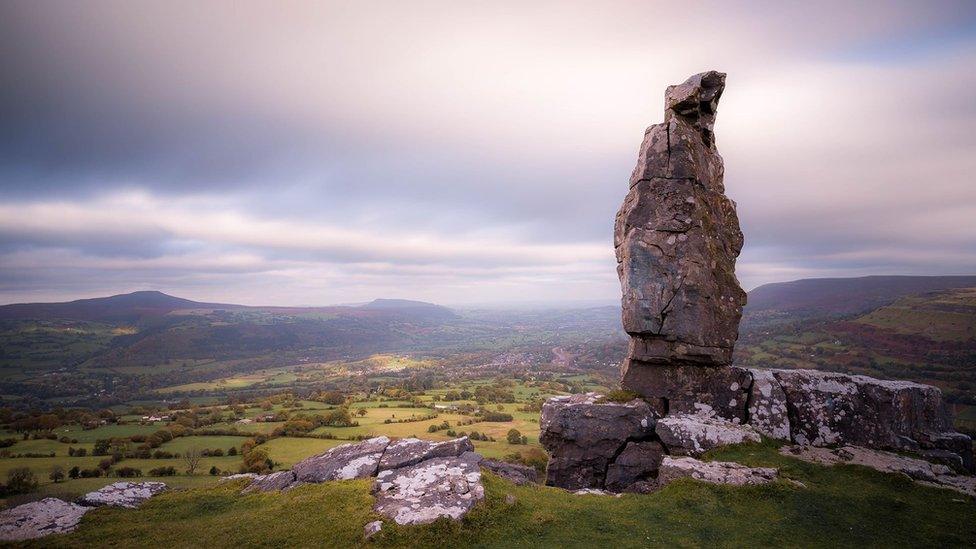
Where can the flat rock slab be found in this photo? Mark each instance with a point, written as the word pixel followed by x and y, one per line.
pixel 520 475
pixel 887 462
pixel 273 481
pixel 438 487
pixel 693 435
pixel 349 461
pixel 123 494
pixel 715 472
pixel 411 451
pixel 40 518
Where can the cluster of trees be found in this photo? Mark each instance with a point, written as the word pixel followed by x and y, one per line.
pixel 20 480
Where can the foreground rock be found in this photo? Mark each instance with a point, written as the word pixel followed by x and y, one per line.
pixel 411 451
pixel 639 461
pixel 520 475
pixel 767 410
pixel 693 435
pixel 584 436
pixel 715 472
pixel 349 461
pixel 829 409
pixel 279 480
pixel 435 488
pixel 677 237
pixel 917 469
pixel 123 494
pixel 40 518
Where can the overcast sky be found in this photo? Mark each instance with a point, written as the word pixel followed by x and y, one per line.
pixel 464 152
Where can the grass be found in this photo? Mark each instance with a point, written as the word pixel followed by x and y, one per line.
pixel 844 506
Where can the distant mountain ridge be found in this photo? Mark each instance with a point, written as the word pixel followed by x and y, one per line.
pixel 844 296
pixel 143 304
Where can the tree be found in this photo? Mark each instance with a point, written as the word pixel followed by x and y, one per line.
pixel 74 472
pixel 192 460
pixel 514 436
pixel 57 473
pixel 214 471
pixel 21 480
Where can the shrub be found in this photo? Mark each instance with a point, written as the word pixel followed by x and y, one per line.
pixel 497 416
pixel 162 471
pixel 514 437
pixel 619 395
pixel 128 472
pixel 74 472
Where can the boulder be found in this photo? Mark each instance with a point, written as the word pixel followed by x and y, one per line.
pixel 411 451
pixel 887 462
pixel 693 435
pixel 689 389
pixel 677 238
pixel 372 528
pixel 273 481
pixel 583 436
pixel 638 462
pixel 40 518
pixel 767 408
pixel 519 475
pixel 349 461
pixel 123 494
pixel 715 472
pixel 438 487
pixel 828 408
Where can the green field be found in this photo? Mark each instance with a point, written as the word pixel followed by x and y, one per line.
pixel 845 506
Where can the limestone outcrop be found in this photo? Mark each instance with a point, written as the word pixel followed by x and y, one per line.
pixel 715 472
pixel 349 461
pixel 123 494
pixel 585 436
pixel 916 469
pixel 693 435
pixel 40 518
pixel 417 481
pixel 677 238
pixel 431 489
pixel 54 516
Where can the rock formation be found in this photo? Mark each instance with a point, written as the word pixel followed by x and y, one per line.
pixel 54 516
pixel 123 494
pixel 676 239
pixel 715 472
pixel 584 437
pixel 417 481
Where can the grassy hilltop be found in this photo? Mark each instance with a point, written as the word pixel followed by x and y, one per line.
pixel 845 506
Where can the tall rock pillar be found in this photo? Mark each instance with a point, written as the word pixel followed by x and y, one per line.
pixel 677 237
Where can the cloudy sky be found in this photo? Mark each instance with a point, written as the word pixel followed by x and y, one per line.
pixel 301 153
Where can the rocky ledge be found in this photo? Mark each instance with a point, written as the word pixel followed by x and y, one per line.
pixel 54 516
pixel 418 481
pixel 715 472
pixel 917 469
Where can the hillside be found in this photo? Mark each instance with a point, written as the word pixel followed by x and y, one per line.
pixel 843 296
pixel 130 307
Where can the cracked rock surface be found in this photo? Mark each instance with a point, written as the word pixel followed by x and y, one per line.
pixel 349 461
pixel 693 435
pixel 887 462
pixel 123 494
pixel 435 488
pixel 410 451
pixel 40 518
pixel 715 472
